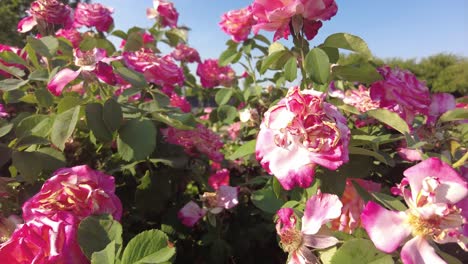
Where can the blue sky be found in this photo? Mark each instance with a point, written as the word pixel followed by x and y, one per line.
pixel 396 28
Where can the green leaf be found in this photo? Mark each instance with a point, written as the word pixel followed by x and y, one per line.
pixel 266 200
pixel 454 115
pixel 31 164
pixel 107 45
pixel 12 84
pixel 175 35
pixel 223 96
pixel 15 71
pixel 317 66
pixel 112 114
pixel 148 247
pixel 38 125
pixel 333 53
pixel 46 46
pixel 105 256
pixel 228 56
pixel 44 97
pixel 137 139
pixel 290 69
pixel 275 47
pixel 245 149
pixel 94 119
pixel 391 119
pixel 360 251
pixel 12 57
pixel 348 42
pixel 271 59
pixel 96 232
pixel 227 113
pixel 32 55
pixel 364 73
pixel 388 201
pixel 119 33
pixel 134 78
pixel 63 126
pixel 379 156
pixel 68 102
pixel 5 154
pixel 171 121
pixel 134 42
pixel 39 75
pixel 88 43
pixel 5 127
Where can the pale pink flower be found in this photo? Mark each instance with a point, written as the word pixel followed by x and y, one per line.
pixel 212 75
pixel 93 62
pixel 79 190
pixel 94 15
pixel 200 140
pixel 159 70
pixel 434 191
pixel 165 12
pixel 190 214
pixel 410 154
pixel 15 50
pixel 299 133
pixel 234 130
pixel 401 92
pixel 180 102
pixel 45 239
pixel 3 112
pixel 219 178
pixel 353 204
pixel 72 35
pixel 46 12
pixel 238 23
pixel 440 103
pixel 276 15
pixel 206 113
pixel 185 53
pixel 319 210
pixel 224 198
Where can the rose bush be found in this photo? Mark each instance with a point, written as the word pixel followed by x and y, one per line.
pixel 123 154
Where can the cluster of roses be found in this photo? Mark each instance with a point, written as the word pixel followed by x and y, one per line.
pixel 51 217
pixel 279 16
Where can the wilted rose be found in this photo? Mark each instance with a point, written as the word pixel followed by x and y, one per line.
pixel 185 53
pixel 212 75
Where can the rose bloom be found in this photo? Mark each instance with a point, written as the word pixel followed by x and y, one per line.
pixel 433 198
pixel 180 102
pixel 185 53
pixel 15 50
pixel 72 35
pixel 225 197
pixel 238 23
pixel 165 12
pixel 93 15
pixel 79 190
pixel 190 214
pixel 401 92
pixel 159 70
pixel 3 112
pixel 46 12
pixel 353 204
pixel 200 140
pixel 319 210
pixel 299 133
pixel 212 75
pixel 276 15
pixel 219 178
pixel 45 239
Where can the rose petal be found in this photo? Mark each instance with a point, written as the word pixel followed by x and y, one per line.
pixel 418 251
pixel 26 24
pixel 190 214
pixel 61 79
pixel 320 209
pixel 227 196
pixel 319 241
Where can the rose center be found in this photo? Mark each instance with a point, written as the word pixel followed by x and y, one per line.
pixel 423 227
pixel 291 239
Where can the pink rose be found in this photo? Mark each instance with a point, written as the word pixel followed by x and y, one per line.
pixel 200 140
pixel 401 92
pixel 45 239
pixel 46 12
pixel 159 70
pixel 15 50
pixel 212 75
pixel 72 35
pixel 219 178
pixel 360 98
pixel 299 133
pixel 79 190
pixel 93 15
pixel 185 53
pixel 181 103
pixel 165 12
pixel 190 214
pixel 238 23
pixel 3 113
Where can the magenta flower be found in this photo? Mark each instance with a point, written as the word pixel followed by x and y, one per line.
pixel 93 62
pixel 79 190
pixel 433 214
pixel 45 239
pixel 200 140
pixel 219 178
pixel 72 35
pixel 212 75
pixel 180 102
pixel 165 12
pixel 3 112
pixel 45 12
pixel 401 92
pixel 159 70
pixel 93 15
pixel 185 53
pixel 299 133
pixel 319 210
pixel 276 15
pixel 238 23
pixel 15 50
pixel 190 214
pixel 440 103
pixel 353 204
